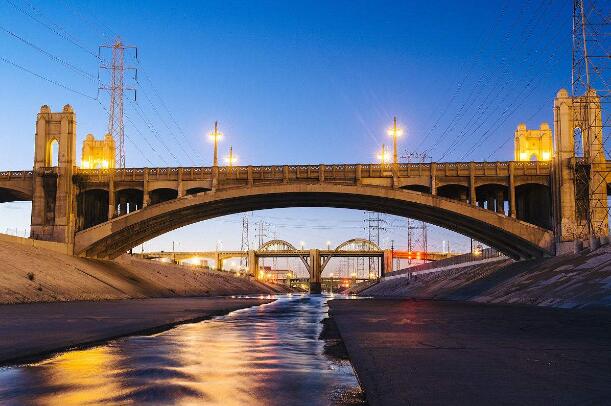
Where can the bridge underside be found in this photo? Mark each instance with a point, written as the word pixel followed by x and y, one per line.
pixel 513 237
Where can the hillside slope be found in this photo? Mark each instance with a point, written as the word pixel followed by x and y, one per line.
pixel 571 281
pixel 31 274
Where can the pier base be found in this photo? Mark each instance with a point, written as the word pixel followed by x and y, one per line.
pixel 315 287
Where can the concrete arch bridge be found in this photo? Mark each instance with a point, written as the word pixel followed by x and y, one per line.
pixel 523 209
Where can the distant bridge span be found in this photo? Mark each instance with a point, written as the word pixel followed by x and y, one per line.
pixel 516 238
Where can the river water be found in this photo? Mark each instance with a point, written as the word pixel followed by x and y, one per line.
pixel 264 355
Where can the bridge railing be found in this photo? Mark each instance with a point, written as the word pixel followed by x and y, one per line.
pixel 486 253
pixel 8 175
pixel 328 173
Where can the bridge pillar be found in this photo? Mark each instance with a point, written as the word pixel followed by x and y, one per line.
pixel 53 201
pixel 146 198
pixel 179 185
pixel 253 264
pixel 500 201
pixel 387 263
pixel 315 271
pixel 579 185
pixel 112 205
pixel 512 190
pixel 218 261
pixel 472 196
pixel 358 175
pixel 433 178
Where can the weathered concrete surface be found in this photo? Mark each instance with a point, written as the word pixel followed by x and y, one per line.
pixel 32 274
pixel 456 353
pixel 571 281
pixel 31 330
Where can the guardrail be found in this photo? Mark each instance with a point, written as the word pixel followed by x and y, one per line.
pixel 486 253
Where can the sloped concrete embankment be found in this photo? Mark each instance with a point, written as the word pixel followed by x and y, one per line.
pixel 35 274
pixel 570 281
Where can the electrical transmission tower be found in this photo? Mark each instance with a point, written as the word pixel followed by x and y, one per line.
pixel 591 92
pixel 261 232
pixel 412 241
pixel 117 88
pixel 245 244
pixel 374 224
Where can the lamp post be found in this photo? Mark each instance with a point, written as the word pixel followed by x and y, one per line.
pixel 215 135
pixel 231 159
pixel 383 155
pixel 394 132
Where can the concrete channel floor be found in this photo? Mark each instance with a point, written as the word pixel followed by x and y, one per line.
pixel 408 352
pixel 32 330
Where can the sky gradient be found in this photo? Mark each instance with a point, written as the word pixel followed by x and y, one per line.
pixel 290 82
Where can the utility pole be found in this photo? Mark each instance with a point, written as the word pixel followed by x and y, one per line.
pixel 116 89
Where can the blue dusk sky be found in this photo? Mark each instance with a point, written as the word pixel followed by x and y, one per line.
pixel 290 82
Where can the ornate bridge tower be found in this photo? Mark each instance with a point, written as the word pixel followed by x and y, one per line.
pixel 580 184
pixel 53 202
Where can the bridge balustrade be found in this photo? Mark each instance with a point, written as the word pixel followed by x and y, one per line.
pixel 8 175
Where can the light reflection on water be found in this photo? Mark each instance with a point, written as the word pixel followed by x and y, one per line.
pixel 267 355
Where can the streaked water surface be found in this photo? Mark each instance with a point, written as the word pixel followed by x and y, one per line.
pixel 265 355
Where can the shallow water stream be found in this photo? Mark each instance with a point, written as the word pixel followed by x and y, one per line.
pixel 264 355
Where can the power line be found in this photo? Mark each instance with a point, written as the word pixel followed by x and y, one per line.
pixel 50 55
pixel 52 81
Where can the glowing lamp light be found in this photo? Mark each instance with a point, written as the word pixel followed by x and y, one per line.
pixel 523 156
pixel 391 132
pixel 231 160
pixel 85 164
pixel 215 136
pixel 546 156
pixel 383 156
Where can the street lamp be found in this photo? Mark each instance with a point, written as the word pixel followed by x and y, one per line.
pixel 328 245
pixel 215 136
pixel 302 244
pixel 231 159
pixel 383 155
pixel 394 132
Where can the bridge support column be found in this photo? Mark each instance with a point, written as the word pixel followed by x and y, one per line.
pixel 315 271
pixel 321 173
pixel 500 201
pixel 218 261
pixel 249 175
pixel 358 171
pixel 433 178
pixel 472 196
pixel 579 186
pixel 387 264
pixel 179 185
pixel 253 264
pixel 53 201
pixel 112 205
pixel 146 198
pixel 512 190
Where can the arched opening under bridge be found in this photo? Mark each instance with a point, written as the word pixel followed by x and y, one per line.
pixel 511 236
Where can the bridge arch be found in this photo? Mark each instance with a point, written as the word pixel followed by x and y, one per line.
pixel 14 195
pixel 277 245
pixel 516 238
pixel 362 244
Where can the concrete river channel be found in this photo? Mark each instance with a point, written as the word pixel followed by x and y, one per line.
pixel 264 355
